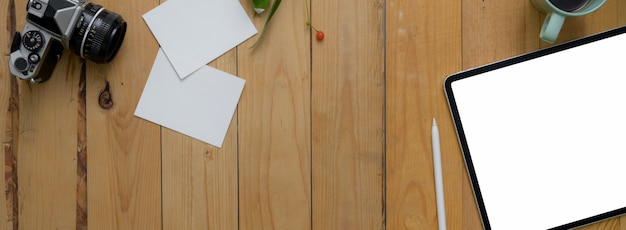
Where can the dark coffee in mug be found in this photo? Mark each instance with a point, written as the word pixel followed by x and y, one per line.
pixel 569 5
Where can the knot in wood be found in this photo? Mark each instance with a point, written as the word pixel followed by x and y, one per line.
pixel 105 100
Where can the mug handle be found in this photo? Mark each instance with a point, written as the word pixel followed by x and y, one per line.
pixel 551 27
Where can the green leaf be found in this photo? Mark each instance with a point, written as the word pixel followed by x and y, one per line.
pixel 260 5
pixel 267 20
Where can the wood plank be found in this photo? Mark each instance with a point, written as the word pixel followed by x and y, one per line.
pixel 46 165
pixel 124 163
pixel 274 121
pixel 496 30
pixel 621 12
pixel 348 115
pixel 492 31
pixel 199 180
pixel 621 20
pixel 81 157
pixel 9 23
pixel 423 47
pixel 46 157
pixel 8 182
pixel 8 121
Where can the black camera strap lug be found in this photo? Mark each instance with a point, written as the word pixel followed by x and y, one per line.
pixel 17 39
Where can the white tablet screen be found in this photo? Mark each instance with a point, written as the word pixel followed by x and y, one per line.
pixel 547 137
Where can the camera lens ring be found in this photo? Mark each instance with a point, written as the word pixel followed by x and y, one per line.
pixel 89 27
pixel 98 35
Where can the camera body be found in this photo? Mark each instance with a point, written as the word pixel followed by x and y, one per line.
pixel 54 25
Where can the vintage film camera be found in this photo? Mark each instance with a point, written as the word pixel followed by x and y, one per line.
pixel 86 29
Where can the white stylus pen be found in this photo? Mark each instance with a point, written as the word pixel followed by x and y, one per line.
pixel 441 209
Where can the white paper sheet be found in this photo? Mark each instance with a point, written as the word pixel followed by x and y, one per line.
pixel 200 106
pixel 192 33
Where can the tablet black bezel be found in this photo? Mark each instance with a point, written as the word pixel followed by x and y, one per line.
pixel 501 64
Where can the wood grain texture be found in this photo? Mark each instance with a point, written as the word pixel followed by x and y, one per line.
pixel 423 47
pixel 6 122
pixel 46 164
pixel 9 112
pixel 46 157
pixel 124 174
pixel 621 8
pixel 275 123
pixel 328 135
pixel 8 182
pixel 200 183
pixel 347 108
pixel 496 30
pixel 492 31
pixel 81 151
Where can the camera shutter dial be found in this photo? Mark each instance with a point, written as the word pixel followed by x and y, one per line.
pixel 33 40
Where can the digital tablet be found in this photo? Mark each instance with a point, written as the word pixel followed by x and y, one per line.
pixel 543 134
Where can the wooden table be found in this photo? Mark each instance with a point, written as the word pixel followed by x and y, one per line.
pixel 328 135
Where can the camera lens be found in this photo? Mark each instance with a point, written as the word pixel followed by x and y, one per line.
pixel 98 34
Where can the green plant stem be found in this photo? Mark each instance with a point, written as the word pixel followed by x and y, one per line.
pixel 275 5
pixel 308 16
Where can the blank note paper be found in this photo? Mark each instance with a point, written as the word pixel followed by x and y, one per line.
pixel 192 33
pixel 200 106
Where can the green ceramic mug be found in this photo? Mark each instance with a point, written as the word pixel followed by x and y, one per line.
pixel 558 10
